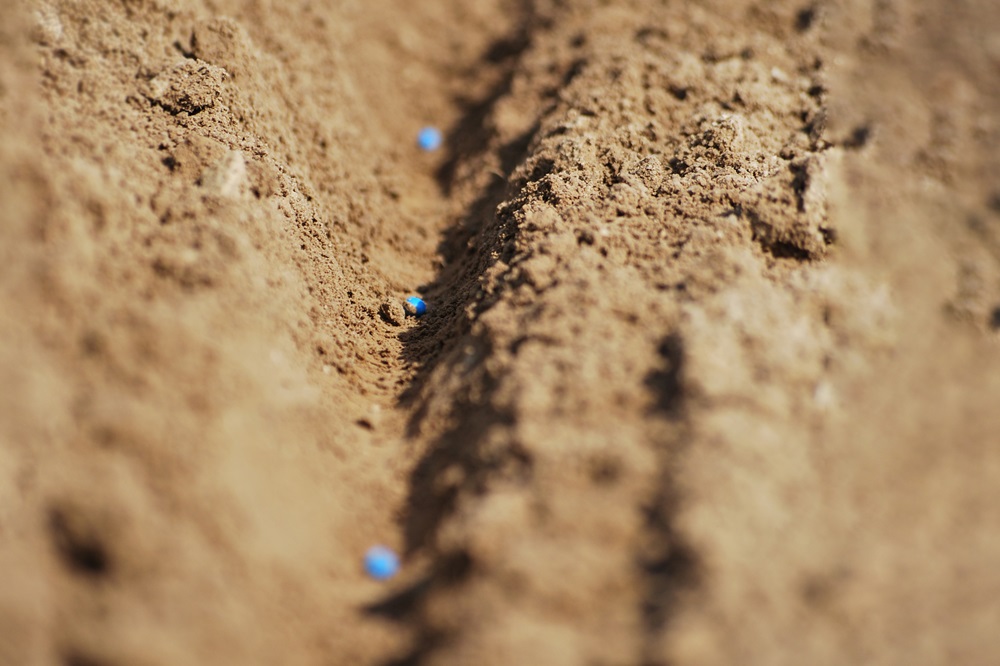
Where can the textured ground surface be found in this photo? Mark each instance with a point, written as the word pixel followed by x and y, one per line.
pixel 710 374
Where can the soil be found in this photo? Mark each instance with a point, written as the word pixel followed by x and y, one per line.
pixel 710 371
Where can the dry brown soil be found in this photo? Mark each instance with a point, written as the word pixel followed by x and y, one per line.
pixel 710 373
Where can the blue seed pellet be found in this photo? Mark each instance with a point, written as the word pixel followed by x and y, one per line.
pixel 429 139
pixel 415 306
pixel 381 562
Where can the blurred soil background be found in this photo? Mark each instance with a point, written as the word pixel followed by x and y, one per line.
pixel 710 372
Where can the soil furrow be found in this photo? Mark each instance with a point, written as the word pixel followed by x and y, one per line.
pixel 599 195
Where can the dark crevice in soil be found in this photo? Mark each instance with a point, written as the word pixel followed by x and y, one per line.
pixel 800 183
pixel 993 202
pixel 858 138
pixel 463 246
pixel 472 136
pixel 185 51
pixel 469 452
pixel 764 236
pixel 407 606
pixel 783 250
pixel 995 318
pixel 456 464
pixel 80 548
pixel 669 566
pixel 448 570
pixel 806 17
pixel 665 383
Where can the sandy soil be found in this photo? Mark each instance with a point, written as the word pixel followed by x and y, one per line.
pixel 710 372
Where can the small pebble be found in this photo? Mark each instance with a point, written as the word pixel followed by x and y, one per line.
pixel 381 562
pixel 429 139
pixel 414 305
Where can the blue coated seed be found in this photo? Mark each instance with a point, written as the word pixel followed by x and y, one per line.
pixel 415 306
pixel 381 563
pixel 429 139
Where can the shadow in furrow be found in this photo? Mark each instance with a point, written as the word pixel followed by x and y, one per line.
pixel 466 245
pixel 668 565
pixel 465 452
